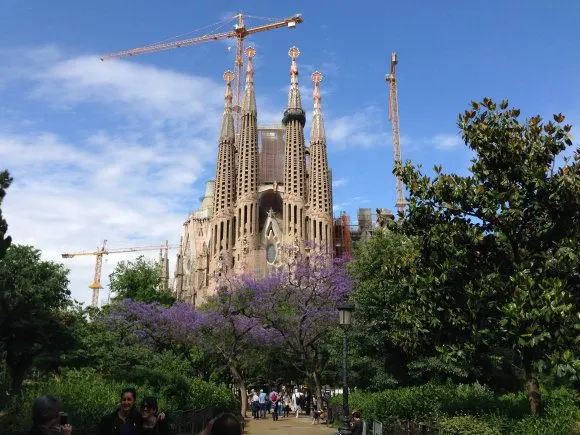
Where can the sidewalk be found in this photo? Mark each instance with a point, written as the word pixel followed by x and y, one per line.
pixel 291 425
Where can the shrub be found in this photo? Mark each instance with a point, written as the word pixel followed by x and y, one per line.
pixel 467 425
pixel 87 397
pixel 469 409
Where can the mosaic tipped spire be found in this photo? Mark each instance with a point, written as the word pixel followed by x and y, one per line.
pixel 294 101
pixel 249 102
pixel 227 130
pixel 294 110
pixel 317 132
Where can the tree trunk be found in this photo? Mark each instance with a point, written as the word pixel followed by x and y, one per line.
pixel 17 374
pixel 318 382
pixel 532 385
pixel 241 384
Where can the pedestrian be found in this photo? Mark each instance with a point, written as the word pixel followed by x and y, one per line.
pixel 356 424
pixel 255 405
pixel 262 399
pixel 48 417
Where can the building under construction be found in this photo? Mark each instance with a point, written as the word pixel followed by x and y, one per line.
pixel 270 190
pixel 346 234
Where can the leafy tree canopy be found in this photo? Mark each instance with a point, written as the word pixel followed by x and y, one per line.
pixel 5 182
pixel 33 296
pixel 139 280
pixel 498 255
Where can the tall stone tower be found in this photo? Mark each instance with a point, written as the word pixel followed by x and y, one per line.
pixel 319 216
pixel 260 200
pixel 294 153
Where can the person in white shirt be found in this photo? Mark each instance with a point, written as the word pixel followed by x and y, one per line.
pixel 255 405
pixel 297 401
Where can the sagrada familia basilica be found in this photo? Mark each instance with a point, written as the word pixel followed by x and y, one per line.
pixel 270 191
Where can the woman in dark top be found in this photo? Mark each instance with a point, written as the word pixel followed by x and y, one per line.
pixel 125 420
pixel 152 423
pixel 356 424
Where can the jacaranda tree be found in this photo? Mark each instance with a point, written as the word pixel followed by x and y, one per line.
pixel 300 300
pixel 220 328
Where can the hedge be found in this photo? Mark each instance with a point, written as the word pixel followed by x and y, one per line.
pixel 468 409
pixel 87 397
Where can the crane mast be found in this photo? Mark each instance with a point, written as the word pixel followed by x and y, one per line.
pixel 394 118
pixel 240 32
pixel 96 286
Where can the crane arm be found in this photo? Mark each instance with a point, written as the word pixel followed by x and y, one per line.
pixel 237 33
pixel 119 250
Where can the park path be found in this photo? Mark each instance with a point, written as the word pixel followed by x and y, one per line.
pixel 291 425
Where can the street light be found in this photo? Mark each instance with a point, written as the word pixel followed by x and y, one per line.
pixel 345 320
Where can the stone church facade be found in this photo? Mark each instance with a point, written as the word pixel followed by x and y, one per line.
pixel 270 190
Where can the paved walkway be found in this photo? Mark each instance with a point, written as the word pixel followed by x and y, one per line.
pixel 292 425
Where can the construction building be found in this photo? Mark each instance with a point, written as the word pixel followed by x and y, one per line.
pixel 347 234
pixel 270 190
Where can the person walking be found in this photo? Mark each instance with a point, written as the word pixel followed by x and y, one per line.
pixel 286 404
pixel 262 400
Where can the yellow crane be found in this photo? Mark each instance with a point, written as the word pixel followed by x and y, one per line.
pixel 394 118
pixel 103 250
pixel 240 32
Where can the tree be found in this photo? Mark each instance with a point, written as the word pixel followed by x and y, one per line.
pixel 219 329
pixel 300 301
pixel 33 295
pixel 5 181
pixel 498 252
pixel 139 280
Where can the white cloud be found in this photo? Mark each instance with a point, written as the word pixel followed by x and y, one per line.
pixel 363 129
pixel 446 142
pixel 339 182
pixel 132 179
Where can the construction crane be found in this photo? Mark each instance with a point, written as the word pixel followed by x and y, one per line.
pixel 394 118
pixel 103 250
pixel 239 33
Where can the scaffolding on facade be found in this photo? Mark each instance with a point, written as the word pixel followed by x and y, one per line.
pixel 342 236
pixel 271 142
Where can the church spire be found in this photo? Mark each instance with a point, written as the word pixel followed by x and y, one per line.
pixel 295 188
pixel 249 102
pixel 227 131
pixel 317 132
pixel 248 156
pixel 319 223
pixel 294 110
pixel 224 198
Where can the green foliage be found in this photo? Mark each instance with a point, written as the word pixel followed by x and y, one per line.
pixel 87 397
pixel 468 409
pixel 497 264
pixel 5 181
pixel 33 296
pixel 140 280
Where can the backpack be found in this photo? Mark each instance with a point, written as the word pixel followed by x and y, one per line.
pixel 274 397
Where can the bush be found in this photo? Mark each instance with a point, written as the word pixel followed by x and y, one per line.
pixel 467 425
pixel 469 409
pixel 87 397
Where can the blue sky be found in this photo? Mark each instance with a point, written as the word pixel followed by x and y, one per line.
pixel 120 150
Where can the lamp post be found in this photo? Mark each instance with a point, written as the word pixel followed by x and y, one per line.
pixel 345 320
